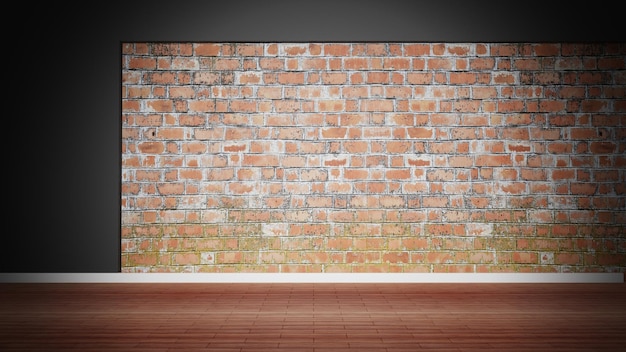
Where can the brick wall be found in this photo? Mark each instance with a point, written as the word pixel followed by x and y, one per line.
pixel 373 157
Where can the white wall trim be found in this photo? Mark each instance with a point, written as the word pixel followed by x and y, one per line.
pixel 312 278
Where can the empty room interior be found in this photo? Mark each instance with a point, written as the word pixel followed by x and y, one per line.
pixel 355 196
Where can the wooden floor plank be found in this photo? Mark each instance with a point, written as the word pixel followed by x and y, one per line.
pixel 312 317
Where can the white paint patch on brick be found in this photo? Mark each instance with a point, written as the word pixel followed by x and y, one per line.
pixel 562 202
pixel 185 63
pixel 539 216
pixel 286 49
pixel 478 229
pixel 213 216
pixel 207 258
pixel 191 202
pixel 546 257
pixel 274 229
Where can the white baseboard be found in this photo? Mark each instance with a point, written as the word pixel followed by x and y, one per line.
pixel 312 278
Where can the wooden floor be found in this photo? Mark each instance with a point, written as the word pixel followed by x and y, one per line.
pixel 312 317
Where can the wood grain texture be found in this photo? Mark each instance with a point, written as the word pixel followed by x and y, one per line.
pixel 312 317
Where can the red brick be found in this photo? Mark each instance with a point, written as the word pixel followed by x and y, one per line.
pixel 337 49
pixel 376 105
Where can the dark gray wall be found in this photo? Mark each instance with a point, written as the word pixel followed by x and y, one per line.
pixel 64 122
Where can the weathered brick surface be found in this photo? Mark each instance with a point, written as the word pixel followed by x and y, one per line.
pixel 373 157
